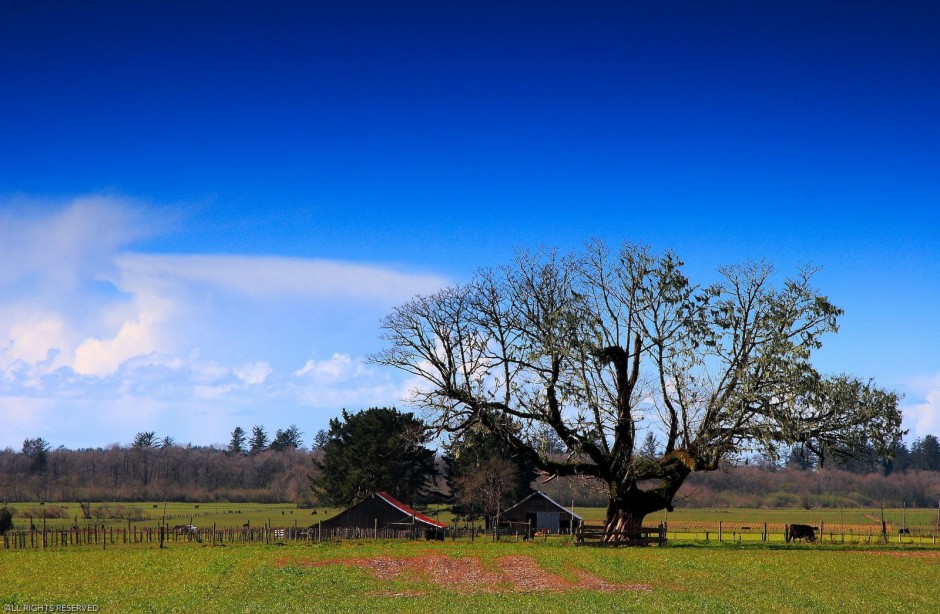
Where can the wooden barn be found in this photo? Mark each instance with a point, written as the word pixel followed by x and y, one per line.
pixel 540 512
pixel 384 515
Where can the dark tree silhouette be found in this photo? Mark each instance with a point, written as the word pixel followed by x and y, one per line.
pixel 259 440
pixel 237 443
pixel 379 449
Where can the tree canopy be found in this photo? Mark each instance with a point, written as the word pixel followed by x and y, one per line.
pixel 259 440
pixel 236 444
pixel 603 344
pixel 379 449
pixel 37 450
pixel 287 439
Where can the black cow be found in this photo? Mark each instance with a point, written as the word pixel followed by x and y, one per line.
pixel 801 531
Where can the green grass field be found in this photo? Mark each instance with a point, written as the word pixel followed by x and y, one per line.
pixel 370 576
pixel 223 515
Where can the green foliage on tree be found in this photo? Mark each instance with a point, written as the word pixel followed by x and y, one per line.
pixel 37 450
pixel 595 343
pixel 288 439
pixel 237 444
pixel 379 449
pixel 320 439
pixel 925 453
pixel 145 440
pixel 484 474
pixel 259 440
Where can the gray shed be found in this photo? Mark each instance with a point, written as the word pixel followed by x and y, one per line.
pixel 542 514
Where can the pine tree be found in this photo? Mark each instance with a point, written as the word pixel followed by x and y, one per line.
pixel 259 440
pixel 379 449
pixel 237 444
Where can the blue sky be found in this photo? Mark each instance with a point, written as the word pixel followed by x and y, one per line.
pixel 206 207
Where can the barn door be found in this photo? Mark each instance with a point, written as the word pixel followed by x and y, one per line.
pixel 548 520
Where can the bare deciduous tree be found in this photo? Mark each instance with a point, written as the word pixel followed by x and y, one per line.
pixel 593 343
pixel 489 489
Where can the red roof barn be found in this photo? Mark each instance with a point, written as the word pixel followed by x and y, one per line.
pixel 382 512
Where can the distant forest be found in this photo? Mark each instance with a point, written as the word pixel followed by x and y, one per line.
pixel 279 470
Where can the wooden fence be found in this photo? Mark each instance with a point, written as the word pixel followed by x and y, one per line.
pixel 588 533
pixel 104 536
pixel 828 533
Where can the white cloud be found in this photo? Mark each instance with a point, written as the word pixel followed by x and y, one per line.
pixel 346 382
pixel 91 331
pixel 137 337
pixel 923 417
pixel 275 277
pixel 253 374
pixel 338 367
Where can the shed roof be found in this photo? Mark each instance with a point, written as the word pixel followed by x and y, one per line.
pixel 538 493
pixel 407 510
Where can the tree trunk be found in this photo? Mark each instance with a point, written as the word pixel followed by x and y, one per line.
pixel 623 522
pixel 628 506
pixel 623 525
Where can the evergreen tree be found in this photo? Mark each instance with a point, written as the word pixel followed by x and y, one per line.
pixel 898 459
pixel 259 440
pixel 145 439
pixel 801 458
pixel 237 444
pixel 379 449
pixel 925 454
pixel 37 450
pixel 289 439
pixel 320 439
pixel 650 447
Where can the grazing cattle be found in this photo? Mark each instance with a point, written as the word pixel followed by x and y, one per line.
pixel 801 531
pixel 904 531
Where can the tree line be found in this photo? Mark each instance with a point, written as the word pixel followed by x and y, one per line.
pixel 256 468
pixel 476 473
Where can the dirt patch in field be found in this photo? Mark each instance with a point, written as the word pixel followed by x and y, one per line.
pixel 515 573
pixel 528 577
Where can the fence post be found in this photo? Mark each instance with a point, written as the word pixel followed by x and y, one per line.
pixel 719 531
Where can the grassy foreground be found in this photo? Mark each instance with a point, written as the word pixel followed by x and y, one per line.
pixel 333 577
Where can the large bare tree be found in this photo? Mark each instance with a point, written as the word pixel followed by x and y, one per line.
pixel 602 345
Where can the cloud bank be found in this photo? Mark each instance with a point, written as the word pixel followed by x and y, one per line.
pixel 99 340
pixel 922 411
